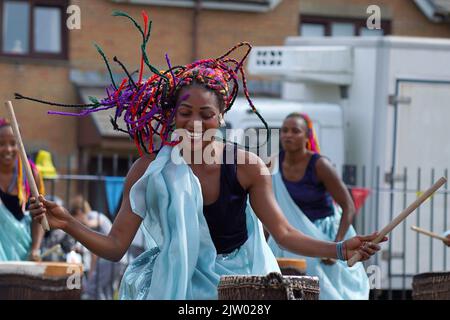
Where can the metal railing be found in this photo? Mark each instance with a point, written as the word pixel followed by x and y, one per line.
pixel 407 253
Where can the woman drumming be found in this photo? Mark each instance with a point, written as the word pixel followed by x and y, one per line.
pixel 447 236
pixel 20 238
pixel 194 214
pixel 306 187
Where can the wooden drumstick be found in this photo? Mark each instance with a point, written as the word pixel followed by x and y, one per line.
pixel 55 248
pixel 23 157
pixel 428 233
pixel 402 216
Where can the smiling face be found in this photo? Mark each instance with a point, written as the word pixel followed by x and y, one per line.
pixel 8 147
pixel 294 134
pixel 198 111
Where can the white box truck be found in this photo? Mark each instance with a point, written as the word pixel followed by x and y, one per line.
pixel 328 119
pixel 394 93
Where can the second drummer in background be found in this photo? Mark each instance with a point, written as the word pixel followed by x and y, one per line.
pixel 307 189
pixel 20 238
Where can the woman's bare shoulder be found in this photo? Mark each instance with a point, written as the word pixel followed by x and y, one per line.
pixel 250 160
pixel 251 168
pixel 138 168
pixel 323 164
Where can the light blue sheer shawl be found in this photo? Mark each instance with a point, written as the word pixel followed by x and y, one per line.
pixel 182 262
pixel 337 281
pixel 15 236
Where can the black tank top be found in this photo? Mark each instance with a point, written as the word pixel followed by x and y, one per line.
pixel 12 203
pixel 308 193
pixel 226 216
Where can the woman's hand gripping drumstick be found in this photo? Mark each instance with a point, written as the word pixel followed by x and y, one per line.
pixel 23 157
pixel 402 216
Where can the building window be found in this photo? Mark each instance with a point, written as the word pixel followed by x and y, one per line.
pixel 312 30
pixel 314 26
pixel 342 29
pixel 33 28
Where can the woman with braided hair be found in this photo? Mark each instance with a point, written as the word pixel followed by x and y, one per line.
pixel 307 187
pixel 201 218
pixel 20 238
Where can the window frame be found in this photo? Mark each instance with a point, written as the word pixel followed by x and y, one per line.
pixel 326 21
pixel 59 4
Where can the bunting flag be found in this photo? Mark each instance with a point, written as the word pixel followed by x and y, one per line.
pixel 359 196
pixel 114 189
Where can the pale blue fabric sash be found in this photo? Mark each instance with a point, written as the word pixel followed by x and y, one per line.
pixel 336 281
pixel 182 262
pixel 15 236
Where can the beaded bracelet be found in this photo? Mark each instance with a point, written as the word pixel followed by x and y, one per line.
pixel 340 250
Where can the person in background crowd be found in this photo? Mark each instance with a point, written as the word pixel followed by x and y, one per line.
pixel 102 276
pixel 308 188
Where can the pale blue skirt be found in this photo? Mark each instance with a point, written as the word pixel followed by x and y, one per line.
pixel 15 236
pixel 182 262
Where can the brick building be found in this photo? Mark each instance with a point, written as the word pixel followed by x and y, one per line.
pixel 40 57
pixel 418 18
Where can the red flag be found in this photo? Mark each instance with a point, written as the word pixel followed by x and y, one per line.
pixel 359 196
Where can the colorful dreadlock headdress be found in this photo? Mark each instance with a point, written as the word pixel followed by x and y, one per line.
pixel 148 106
pixel 313 142
pixel 19 177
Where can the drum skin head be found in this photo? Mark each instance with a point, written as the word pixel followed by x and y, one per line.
pixel 294 263
pixel 46 269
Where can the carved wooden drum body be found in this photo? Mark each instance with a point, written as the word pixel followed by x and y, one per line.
pixel 23 280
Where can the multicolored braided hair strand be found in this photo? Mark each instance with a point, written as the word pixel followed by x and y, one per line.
pixel 148 107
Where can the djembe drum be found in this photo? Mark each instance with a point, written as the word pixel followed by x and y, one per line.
pixel 292 267
pixel 273 286
pixel 24 280
pixel 431 286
